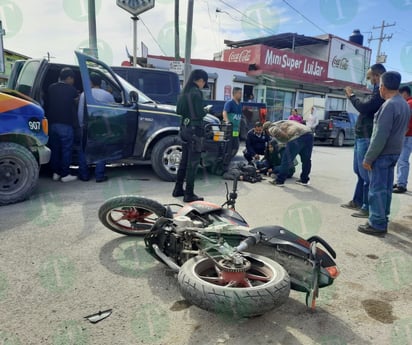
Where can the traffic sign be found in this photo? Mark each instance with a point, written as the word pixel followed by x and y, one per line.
pixel 136 7
pixel 177 67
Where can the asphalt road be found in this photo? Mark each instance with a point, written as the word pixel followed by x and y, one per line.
pixel 58 264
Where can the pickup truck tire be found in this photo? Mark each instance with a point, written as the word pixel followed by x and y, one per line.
pixel 339 140
pixel 166 156
pixel 19 173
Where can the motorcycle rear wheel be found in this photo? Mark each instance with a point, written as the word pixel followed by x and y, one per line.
pixel 199 284
pixel 131 215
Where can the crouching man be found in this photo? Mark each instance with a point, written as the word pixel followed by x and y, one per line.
pixel 299 141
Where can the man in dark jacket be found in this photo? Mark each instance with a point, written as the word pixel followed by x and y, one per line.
pixel 390 125
pixel 363 132
pixel 256 143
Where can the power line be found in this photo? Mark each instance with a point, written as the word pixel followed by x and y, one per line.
pixel 250 21
pixel 303 16
pixel 154 39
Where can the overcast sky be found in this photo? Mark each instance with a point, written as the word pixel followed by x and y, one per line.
pixel 60 26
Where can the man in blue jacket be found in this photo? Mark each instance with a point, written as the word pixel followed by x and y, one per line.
pixel 389 128
pixel 256 143
pixel 363 131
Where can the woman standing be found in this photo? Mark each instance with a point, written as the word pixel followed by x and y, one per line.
pixel 294 116
pixel 190 107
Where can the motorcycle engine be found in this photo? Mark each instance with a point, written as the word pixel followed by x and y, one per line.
pixel 172 238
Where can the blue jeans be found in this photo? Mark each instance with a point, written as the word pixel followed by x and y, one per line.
pixel 403 163
pixel 380 191
pixel 61 145
pixel 303 147
pixel 360 197
pixel 84 169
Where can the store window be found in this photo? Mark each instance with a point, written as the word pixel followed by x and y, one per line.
pixel 302 95
pixel 279 104
pixel 335 103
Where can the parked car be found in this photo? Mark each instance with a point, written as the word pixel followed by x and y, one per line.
pixel 160 85
pixel 338 128
pixel 252 113
pixel 135 127
pixel 23 138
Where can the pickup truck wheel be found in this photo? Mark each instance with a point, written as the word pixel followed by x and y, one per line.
pixel 19 173
pixel 338 141
pixel 166 156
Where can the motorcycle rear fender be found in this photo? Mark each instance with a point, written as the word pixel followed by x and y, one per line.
pixel 287 241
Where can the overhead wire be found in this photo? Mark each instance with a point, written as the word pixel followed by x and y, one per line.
pixel 151 35
pixel 304 17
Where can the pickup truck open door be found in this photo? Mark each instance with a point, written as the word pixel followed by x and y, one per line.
pixel 109 130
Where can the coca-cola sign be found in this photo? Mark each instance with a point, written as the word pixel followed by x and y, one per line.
pixel 248 55
pixel 242 56
pixel 341 63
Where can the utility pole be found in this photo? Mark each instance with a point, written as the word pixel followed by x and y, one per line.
pixel 135 19
pixel 188 48
pixel 92 29
pixel 177 34
pixel 381 58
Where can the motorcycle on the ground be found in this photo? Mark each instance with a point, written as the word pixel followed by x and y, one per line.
pixel 223 265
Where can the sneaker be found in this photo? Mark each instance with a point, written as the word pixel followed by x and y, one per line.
pixel 399 190
pixel 277 184
pixel 351 205
pixel 302 183
pixel 56 177
pixel 68 178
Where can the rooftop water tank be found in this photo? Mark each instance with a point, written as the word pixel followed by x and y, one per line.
pixel 356 37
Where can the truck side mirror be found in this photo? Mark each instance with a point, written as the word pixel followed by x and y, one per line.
pixel 133 97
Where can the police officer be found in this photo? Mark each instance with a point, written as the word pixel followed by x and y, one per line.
pixel 190 106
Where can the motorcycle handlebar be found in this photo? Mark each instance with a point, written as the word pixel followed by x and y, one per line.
pixel 248 242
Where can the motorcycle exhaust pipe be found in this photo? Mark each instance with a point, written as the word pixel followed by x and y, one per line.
pixel 248 242
pixel 165 259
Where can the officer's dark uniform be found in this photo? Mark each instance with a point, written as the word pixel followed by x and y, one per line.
pixel 190 106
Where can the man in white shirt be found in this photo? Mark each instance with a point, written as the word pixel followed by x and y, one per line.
pixel 101 96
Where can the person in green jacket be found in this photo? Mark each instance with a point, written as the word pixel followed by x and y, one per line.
pixel 190 107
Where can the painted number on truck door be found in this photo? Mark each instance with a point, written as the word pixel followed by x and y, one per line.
pixel 34 125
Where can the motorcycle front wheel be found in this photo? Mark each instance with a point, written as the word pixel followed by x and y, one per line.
pixel 131 215
pixel 266 287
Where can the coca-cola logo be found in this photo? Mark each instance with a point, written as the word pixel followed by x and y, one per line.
pixel 341 63
pixel 240 56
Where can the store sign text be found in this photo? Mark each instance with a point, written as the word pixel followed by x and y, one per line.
pixel 243 56
pixel 294 64
pixel 342 63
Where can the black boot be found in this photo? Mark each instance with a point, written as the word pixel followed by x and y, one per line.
pixel 178 191
pixel 192 197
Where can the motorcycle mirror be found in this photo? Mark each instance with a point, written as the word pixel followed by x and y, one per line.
pixel 101 315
